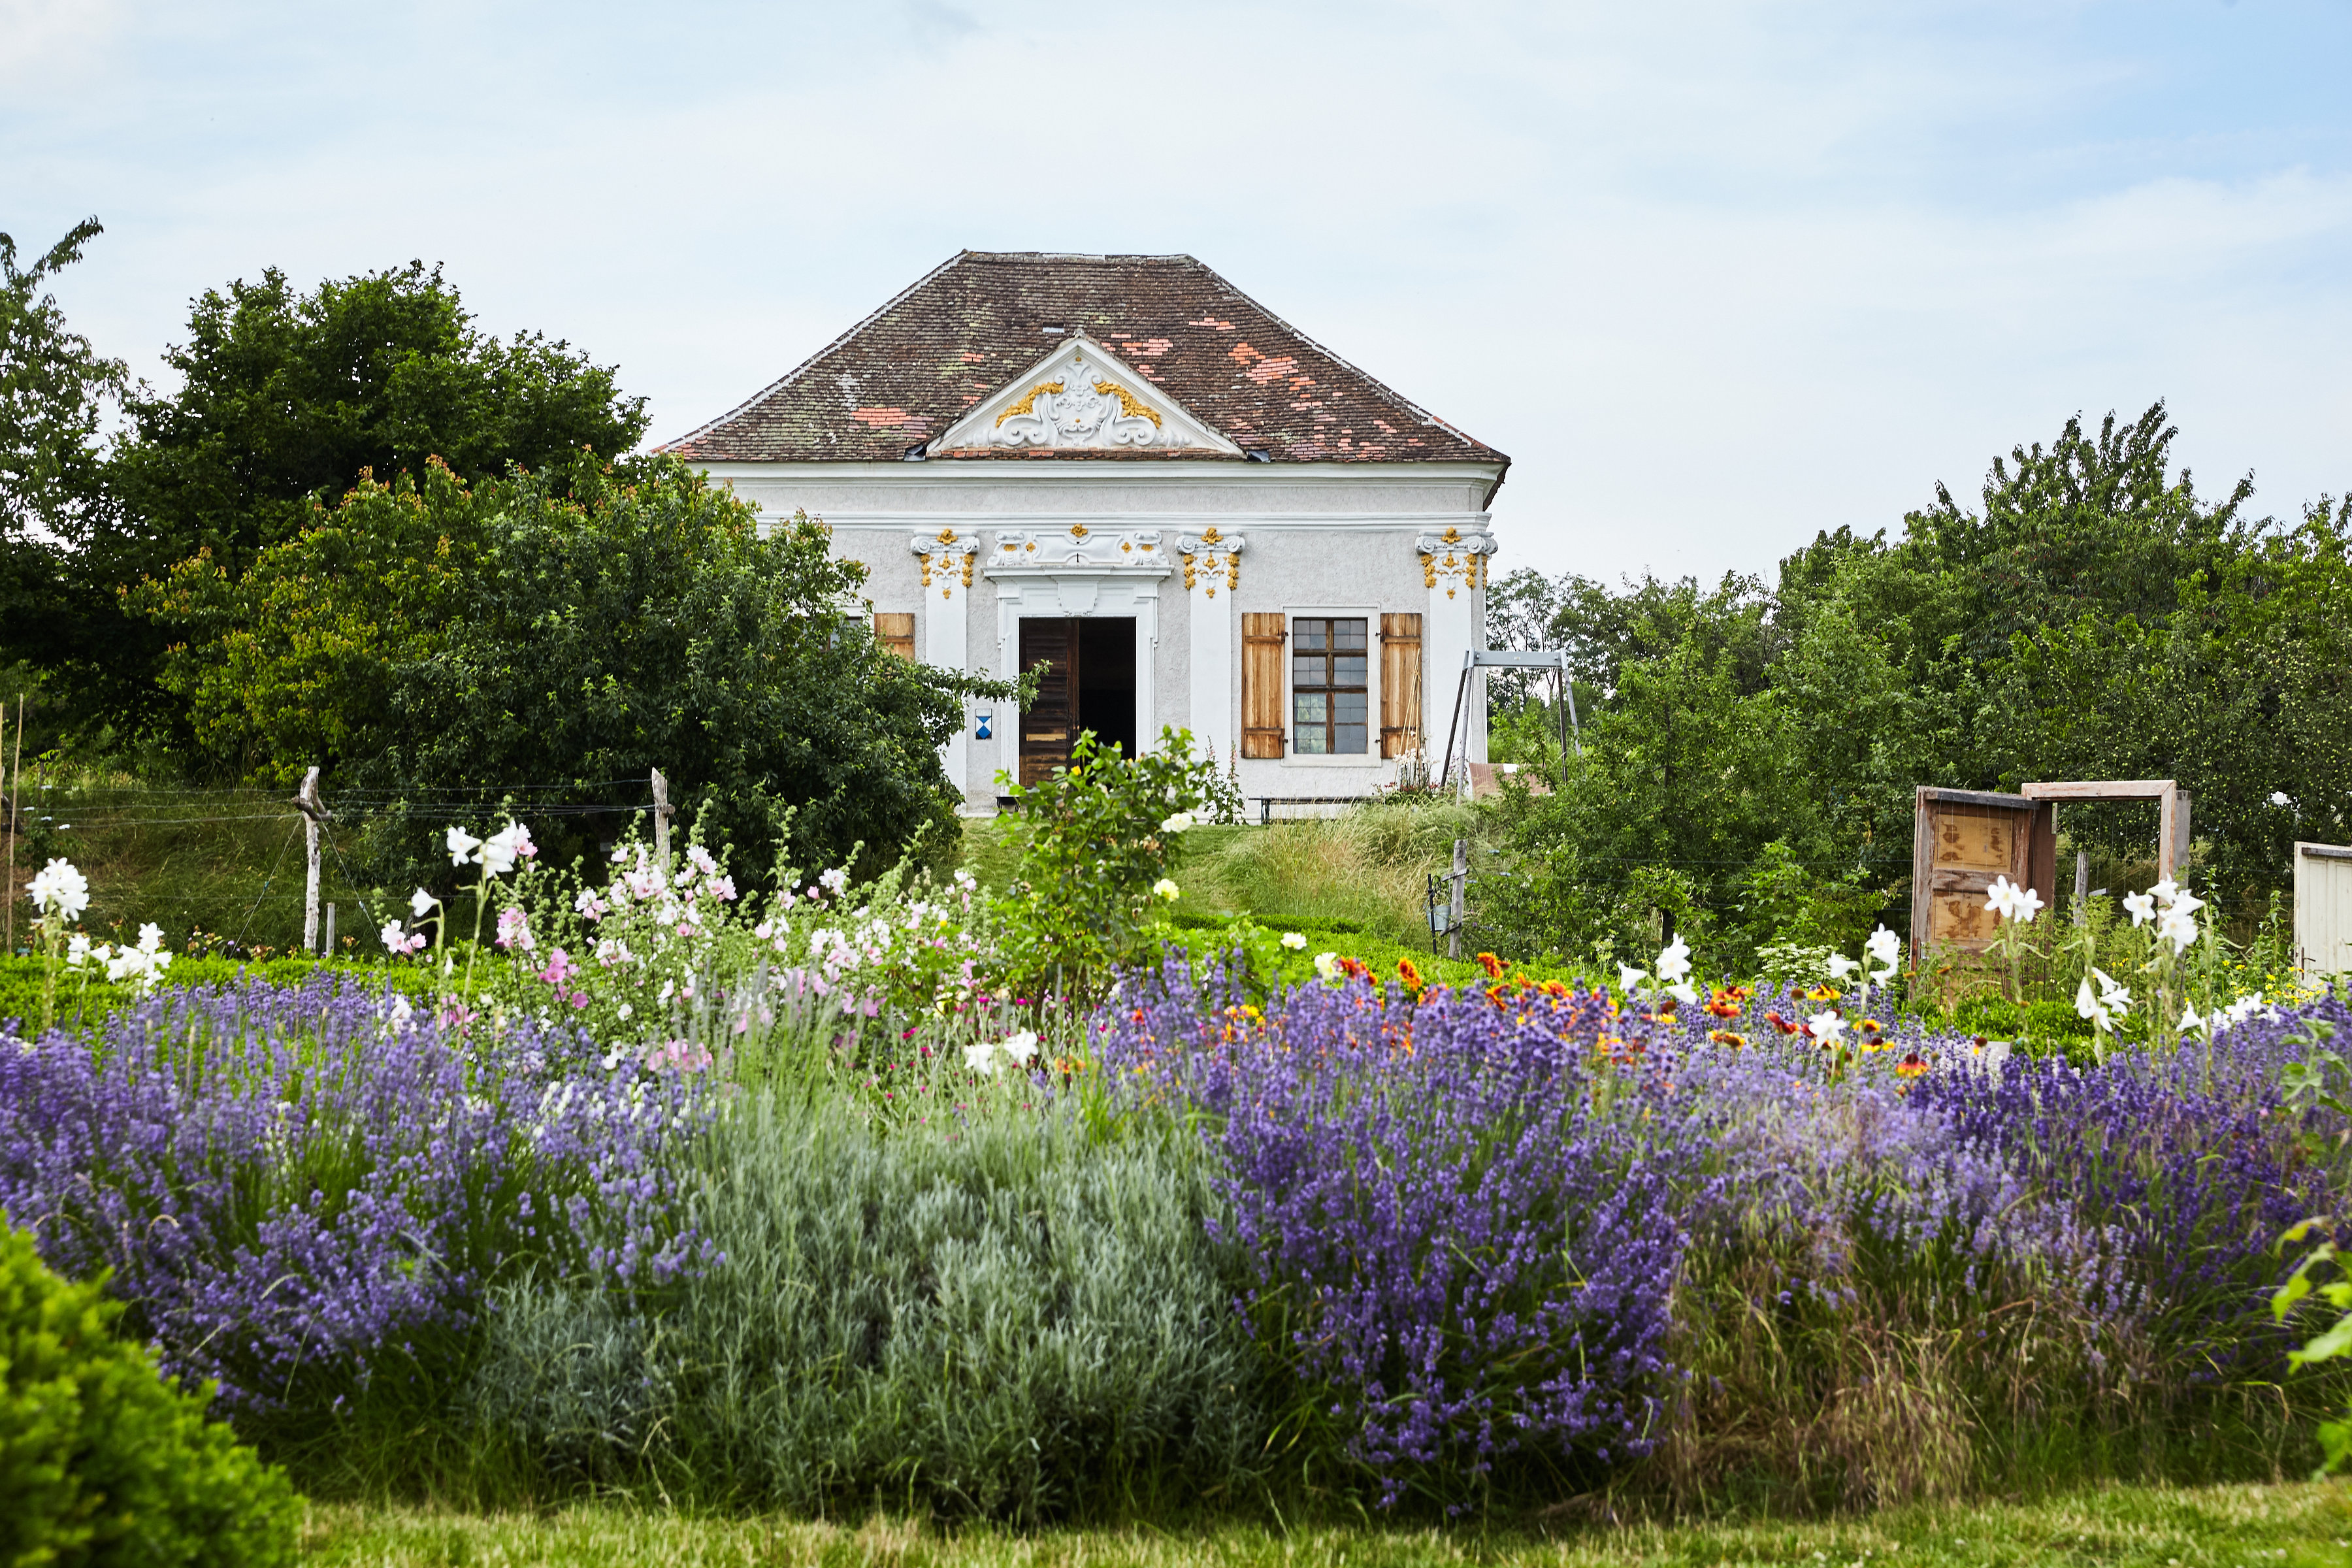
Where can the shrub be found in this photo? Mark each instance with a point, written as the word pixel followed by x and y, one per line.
pixel 101 1460
pixel 995 1313
pixel 303 1192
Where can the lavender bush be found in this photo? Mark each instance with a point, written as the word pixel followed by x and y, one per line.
pixel 303 1191
pixel 1542 1231
pixel 1457 1233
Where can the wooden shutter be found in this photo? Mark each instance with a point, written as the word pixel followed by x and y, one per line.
pixel 1261 725
pixel 1400 685
pixel 896 631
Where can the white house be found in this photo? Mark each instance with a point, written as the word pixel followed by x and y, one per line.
pixel 1125 468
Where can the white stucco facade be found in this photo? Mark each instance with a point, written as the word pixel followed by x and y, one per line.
pixel 1081 539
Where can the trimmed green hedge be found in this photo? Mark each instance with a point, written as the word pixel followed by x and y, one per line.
pixel 88 1000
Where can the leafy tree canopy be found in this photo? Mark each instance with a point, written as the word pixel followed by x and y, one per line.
pixel 434 643
pixel 2093 617
pixel 288 397
pixel 54 387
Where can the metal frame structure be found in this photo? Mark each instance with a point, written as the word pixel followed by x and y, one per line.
pixel 1552 660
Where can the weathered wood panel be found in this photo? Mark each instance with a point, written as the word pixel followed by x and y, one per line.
pixel 1400 685
pixel 1963 841
pixel 1263 729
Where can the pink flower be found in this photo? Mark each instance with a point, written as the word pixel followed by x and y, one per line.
pixel 559 968
pixel 514 929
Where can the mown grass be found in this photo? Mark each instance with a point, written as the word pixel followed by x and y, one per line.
pixel 2299 1526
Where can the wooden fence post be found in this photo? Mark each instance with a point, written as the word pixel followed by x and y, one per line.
pixel 661 820
pixel 305 800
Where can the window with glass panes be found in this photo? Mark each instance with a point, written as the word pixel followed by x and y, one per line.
pixel 1329 695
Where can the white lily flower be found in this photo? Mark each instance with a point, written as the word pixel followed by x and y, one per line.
pixel 1683 991
pixel 2189 1018
pixel 1841 965
pixel 150 938
pixel 420 903
pixel 462 846
pixel 2086 1005
pixel 2167 890
pixel 2012 903
pixel 1674 963
pixel 980 1055
pixel 2141 907
pixel 1022 1047
pixel 1886 948
pixel 2178 927
pixel 61 890
pixel 1828 1029
pixel 1628 977
pixel 503 848
pixel 1326 965
pixel 78 951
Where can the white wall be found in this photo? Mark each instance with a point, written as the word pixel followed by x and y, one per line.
pixel 1320 538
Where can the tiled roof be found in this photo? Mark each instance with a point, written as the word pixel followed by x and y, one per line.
pixel 905 374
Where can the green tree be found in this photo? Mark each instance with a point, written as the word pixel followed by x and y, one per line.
pixel 571 630
pixel 54 387
pixel 286 399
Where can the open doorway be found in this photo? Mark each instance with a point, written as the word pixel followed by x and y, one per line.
pixel 1089 684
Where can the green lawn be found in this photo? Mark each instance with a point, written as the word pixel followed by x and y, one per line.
pixel 2160 1526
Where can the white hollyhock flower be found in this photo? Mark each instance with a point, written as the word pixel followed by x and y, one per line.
pixel 61 890
pixel 462 846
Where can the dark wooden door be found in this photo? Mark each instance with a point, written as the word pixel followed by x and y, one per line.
pixel 1051 722
pixel 1961 840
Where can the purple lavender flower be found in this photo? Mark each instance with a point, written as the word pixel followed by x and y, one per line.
pixel 293 1187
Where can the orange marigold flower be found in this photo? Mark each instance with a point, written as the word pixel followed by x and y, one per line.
pixel 1492 966
pixel 1726 1037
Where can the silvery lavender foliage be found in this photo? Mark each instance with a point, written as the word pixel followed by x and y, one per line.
pixel 1462 1241
pixel 298 1188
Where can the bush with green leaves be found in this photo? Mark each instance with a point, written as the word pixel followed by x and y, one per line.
pixel 101 1461
pixel 1101 838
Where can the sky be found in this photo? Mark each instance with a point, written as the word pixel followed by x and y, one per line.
pixel 1716 276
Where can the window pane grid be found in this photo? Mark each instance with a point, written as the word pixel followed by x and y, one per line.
pixel 1330 671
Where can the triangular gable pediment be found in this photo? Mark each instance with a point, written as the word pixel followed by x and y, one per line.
pixel 1079 397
